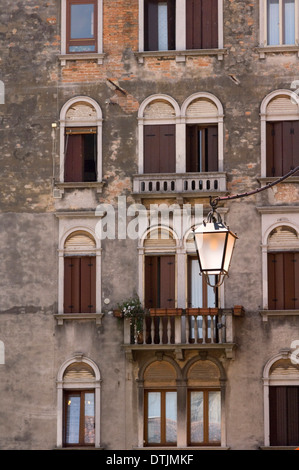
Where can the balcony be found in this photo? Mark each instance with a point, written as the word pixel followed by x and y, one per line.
pixel 182 329
pixel 172 184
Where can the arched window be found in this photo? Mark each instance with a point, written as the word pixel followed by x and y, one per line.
pixel 157 135
pixel 281 396
pixel 78 388
pixel 80 273
pixel 204 404
pixel 80 141
pixel 203 116
pixel 160 404
pixel 283 268
pixel 280 134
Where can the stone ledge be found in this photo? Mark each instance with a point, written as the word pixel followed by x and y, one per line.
pixel 277 313
pixel 64 58
pixel 61 317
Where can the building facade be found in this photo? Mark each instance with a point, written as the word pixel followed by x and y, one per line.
pixel 118 121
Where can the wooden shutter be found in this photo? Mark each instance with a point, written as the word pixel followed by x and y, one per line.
pixel 284 415
pixel 150 25
pixel 159 282
pixel 283 281
pixel 159 148
pixel 282 147
pixel 171 23
pixel 270 168
pixel 201 24
pixel 79 284
pixel 211 153
pixel 192 155
pixel 167 281
pixel 73 169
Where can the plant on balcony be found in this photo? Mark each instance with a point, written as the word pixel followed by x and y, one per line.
pixel 132 309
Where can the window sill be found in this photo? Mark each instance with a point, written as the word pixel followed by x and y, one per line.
pixel 276 50
pixel 277 313
pixel 180 56
pixel 59 188
pixel 61 317
pixel 64 58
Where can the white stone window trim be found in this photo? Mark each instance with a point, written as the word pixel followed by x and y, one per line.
pixel 97 123
pixel 180 120
pixel 69 224
pixel 80 385
pixel 180 52
pixel 271 218
pixel 99 56
pixel 278 117
pixel 263 48
pixel 2 353
pixel 267 382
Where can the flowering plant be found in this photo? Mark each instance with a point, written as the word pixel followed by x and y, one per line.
pixel 133 309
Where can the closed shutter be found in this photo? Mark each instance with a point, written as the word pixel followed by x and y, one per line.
pixel 171 24
pixel 167 281
pixel 150 25
pixel 283 281
pixel 159 282
pixel 159 149
pixel 73 169
pixel 212 149
pixel 282 143
pixel 192 153
pixel 284 415
pixel 79 284
pixel 201 24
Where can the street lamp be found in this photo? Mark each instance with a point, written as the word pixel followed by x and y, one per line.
pixel 214 240
pixel 214 245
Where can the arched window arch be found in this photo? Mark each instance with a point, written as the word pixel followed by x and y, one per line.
pixel 81 141
pixel 78 403
pixel 281 398
pixel 279 133
pixel 283 268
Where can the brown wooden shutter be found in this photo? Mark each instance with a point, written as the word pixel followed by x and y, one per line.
pixel 193 24
pixel 283 281
pixel 151 282
pixel 201 24
pixel 282 147
pixel 88 284
pixel 150 25
pixel 192 155
pixel 212 149
pixel 71 284
pixel 171 23
pixel 284 415
pixel 270 168
pixel 73 169
pixel 167 281
pixel 159 148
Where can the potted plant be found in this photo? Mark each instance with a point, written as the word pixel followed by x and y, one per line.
pixel 133 309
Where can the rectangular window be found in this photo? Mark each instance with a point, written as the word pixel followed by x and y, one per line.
pixel 79 422
pixel 79 284
pixel 284 415
pixel 280 22
pixel 159 25
pixel 80 155
pixel 204 417
pixel 159 281
pixel 201 148
pixel 283 281
pixel 282 147
pixel 159 148
pixel 201 24
pixel 81 30
pixel 160 417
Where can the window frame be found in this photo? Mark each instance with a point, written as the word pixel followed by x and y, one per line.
pixel 206 391
pixel 65 55
pixel 67 395
pixel 163 442
pixel 81 41
pixel 180 50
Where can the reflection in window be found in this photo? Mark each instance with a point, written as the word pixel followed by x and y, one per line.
pixel 281 22
pixel 82 26
pixel 205 417
pixel 161 417
pixel 80 418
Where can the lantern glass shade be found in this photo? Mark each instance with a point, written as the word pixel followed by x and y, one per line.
pixel 214 244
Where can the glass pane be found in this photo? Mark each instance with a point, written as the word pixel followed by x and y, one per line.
pixel 89 425
pixel 196 417
pixel 90 48
pixel 196 285
pixel 162 27
pixel 171 417
pixel 289 21
pixel 273 22
pixel 214 417
pixel 73 420
pixel 154 417
pixel 82 21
